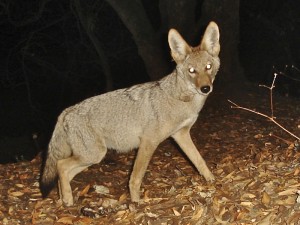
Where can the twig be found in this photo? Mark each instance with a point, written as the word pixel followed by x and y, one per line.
pixel 295 68
pixel 180 170
pixel 236 106
pixel 271 118
pixel 271 94
pixel 280 138
pixel 284 72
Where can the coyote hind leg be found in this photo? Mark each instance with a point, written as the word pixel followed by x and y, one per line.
pixel 86 152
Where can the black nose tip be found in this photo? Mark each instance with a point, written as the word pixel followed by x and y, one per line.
pixel 205 89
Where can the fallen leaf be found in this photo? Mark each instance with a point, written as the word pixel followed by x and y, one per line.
pixel 291 191
pixel 66 220
pixel 152 215
pixel 85 190
pixel 248 195
pixel 266 199
pixel 176 213
pixel 266 220
pixel 247 204
pixel 109 203
pixel 123 198
pixel 198 213
pixel 16 193
pixel 20 185
pixel 100 189
pixel 288 200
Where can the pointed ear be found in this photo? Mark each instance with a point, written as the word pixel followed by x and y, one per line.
pixel 210 41
pixel 179 48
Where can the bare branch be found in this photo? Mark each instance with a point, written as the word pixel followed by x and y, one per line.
pixel 271 118
pixel 280 138
pixel 236 106
pixel 271 94
pixel 295 68
pixel 285 75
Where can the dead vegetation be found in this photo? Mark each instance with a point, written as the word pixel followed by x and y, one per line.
pixel 257 177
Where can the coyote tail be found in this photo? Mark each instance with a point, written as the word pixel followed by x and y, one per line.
pixel 49 174
pixel 57 149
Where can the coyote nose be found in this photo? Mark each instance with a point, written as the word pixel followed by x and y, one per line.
pixel 205 89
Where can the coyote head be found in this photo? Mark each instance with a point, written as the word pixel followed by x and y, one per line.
pixel 197 65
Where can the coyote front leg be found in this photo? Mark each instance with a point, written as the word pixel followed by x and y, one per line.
pixel 141 163
pixel 184 140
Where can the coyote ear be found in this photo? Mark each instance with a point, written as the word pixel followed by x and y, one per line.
pixel 210 41
pixel 179 48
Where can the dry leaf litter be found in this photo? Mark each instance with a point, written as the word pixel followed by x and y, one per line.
pixel 257 179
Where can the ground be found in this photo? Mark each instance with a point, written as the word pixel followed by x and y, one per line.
pixel 257 175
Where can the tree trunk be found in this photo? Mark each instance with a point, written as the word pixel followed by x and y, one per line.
pixel 87 22
pixel 148 42
pixel 172 12
pixel 226 14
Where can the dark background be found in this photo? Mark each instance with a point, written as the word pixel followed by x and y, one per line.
pixel 55 53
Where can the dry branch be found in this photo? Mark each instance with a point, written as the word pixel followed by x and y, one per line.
pixel 271 117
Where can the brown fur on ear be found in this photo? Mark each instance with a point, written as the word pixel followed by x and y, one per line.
pixel 211 39
pixel 179 48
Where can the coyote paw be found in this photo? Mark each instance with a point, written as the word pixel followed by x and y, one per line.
pixel 209 177
pixel 68 202
pixel 134 188
pixel 135 198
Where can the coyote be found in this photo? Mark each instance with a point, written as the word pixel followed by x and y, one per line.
pixel 141 116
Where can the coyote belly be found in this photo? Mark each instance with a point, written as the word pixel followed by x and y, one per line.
pixel 138 117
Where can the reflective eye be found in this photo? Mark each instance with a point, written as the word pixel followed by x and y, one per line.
pixel 192 70
pixel 208 66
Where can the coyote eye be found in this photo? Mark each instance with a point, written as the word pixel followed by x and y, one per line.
pixel 192 70
pixel 208 66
